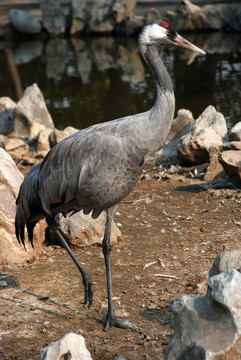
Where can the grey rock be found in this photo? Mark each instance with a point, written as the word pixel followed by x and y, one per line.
pixel 217 17
pixel 53 19
pixel 235 132
pixel 225 261
pixel 209 327
pixel 101 16
pixel 123 9
pixel 71 346
pixel 231 161
pixel 209 130
pixel 7 107
pixel 180 127
pixel 80 11
pixel 209 17
pixel 33 105
pixel 24 22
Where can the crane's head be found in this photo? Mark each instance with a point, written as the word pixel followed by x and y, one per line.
pixel 161 32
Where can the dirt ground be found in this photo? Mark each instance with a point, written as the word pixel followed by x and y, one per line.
pixel 170 227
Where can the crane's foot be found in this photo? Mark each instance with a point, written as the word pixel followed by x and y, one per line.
pixel 88 290
pixel 113 321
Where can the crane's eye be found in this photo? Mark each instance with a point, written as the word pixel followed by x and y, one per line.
pixel 167 32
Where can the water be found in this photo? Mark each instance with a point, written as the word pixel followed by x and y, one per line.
pixel 88 80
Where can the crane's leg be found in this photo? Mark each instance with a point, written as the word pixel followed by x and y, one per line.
pixel 110 319
pixel 86 278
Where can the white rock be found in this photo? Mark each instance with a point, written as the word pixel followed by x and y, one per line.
pixel 209 130
pixel 10 180
pixel 71 346
pixel 94 228
pixel 34 106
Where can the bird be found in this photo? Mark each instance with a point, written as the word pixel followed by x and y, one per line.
pixel 94 169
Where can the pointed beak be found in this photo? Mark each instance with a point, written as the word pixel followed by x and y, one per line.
pixel 180 41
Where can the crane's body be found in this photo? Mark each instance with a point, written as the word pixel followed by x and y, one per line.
pixel 97 167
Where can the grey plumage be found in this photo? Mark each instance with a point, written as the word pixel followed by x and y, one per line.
pixel 95 168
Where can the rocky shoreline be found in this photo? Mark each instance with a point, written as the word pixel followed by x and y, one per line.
pixel 117 17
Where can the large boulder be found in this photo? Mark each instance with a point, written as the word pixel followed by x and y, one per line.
pixel 80 13
pixel 53 18
pixel 24 22
pixel 209 327
pixel 101 16
pixel 26 118
pixel 209 130
pixel 34 107
pixel 10 180
pixel 71 346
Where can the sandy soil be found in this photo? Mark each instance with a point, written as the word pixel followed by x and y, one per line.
pixel 169 227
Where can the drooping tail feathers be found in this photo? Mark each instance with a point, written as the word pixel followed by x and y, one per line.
pixel 29 209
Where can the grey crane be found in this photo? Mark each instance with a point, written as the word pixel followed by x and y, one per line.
pixel 97 167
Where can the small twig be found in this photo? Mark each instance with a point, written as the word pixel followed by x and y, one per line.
pixel 236 222
pixel 149 264
pixel 167 276
pixel 132 201
pixel 164 213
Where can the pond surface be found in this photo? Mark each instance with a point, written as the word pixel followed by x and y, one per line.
pixel 88 80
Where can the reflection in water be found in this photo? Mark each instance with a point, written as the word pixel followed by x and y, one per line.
pixel 94 79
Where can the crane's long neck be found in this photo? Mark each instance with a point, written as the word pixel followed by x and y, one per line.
pixel 161 114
